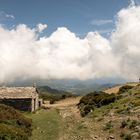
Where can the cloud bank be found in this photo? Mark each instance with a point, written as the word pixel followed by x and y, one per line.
pixel 63 55
pixel 101 22
pixel 125 42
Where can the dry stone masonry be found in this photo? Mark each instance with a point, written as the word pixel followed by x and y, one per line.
pixel 21 98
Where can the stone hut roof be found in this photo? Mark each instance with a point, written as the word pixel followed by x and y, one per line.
pixel 17 92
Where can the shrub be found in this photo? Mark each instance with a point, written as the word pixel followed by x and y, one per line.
pixel 127 137
pixel 124 124
pixel 52 101
pixel 136 103
pixel 86 110
pixel 108 126
pixel 98 99
pixel 63 96
pixel 133 124
pixel 122 135
pixel 95 99
pixel 9 132
pixel 124 89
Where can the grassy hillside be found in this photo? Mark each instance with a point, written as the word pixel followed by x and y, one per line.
pixel 82 89
pixel 107 116
pixel 94 100
pixel 118 119
pixel 13 125
pixel 115 88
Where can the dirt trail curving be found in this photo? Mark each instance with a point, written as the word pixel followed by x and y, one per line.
pixel 65 102
pixel 67 107
pixel 74 127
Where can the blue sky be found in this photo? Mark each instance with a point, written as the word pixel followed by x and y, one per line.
pixel 79 16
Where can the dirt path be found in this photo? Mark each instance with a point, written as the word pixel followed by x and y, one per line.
pixel 64 103
pixel 67 107
pixel 73 126
pixel 63 122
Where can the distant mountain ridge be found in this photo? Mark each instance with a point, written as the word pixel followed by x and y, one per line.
pixel 47 89
pixel 81 88
pixel 77 89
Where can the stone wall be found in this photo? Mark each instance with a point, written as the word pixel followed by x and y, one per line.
pixel 20 104
pixel 34 103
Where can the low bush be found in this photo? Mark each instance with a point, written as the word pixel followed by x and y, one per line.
pixel 126 136
pixel 86 109
pixel 13 125
pixel 52 101
pixel 124 89
pixel 124 123
pixel 108 126
pixel 136 102
pixel 133 124
pixel 9 132
pixel 98 99
pixel 95 99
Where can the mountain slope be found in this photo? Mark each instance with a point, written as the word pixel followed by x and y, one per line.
pixel 115 88
pixel 47 89
pixel 119 119
pixel 52 95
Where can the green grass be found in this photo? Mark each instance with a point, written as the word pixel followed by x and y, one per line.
pixel 13 124
pixel 46 125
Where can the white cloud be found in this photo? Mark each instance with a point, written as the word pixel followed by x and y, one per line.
pixel 40 27
pixel 126 42
pixel 100 22
pixel 132 3
pixel 4 16
pixel 105 31
pixel 63 55
pixel 9 16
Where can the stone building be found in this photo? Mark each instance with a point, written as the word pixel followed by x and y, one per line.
pixel 21 98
